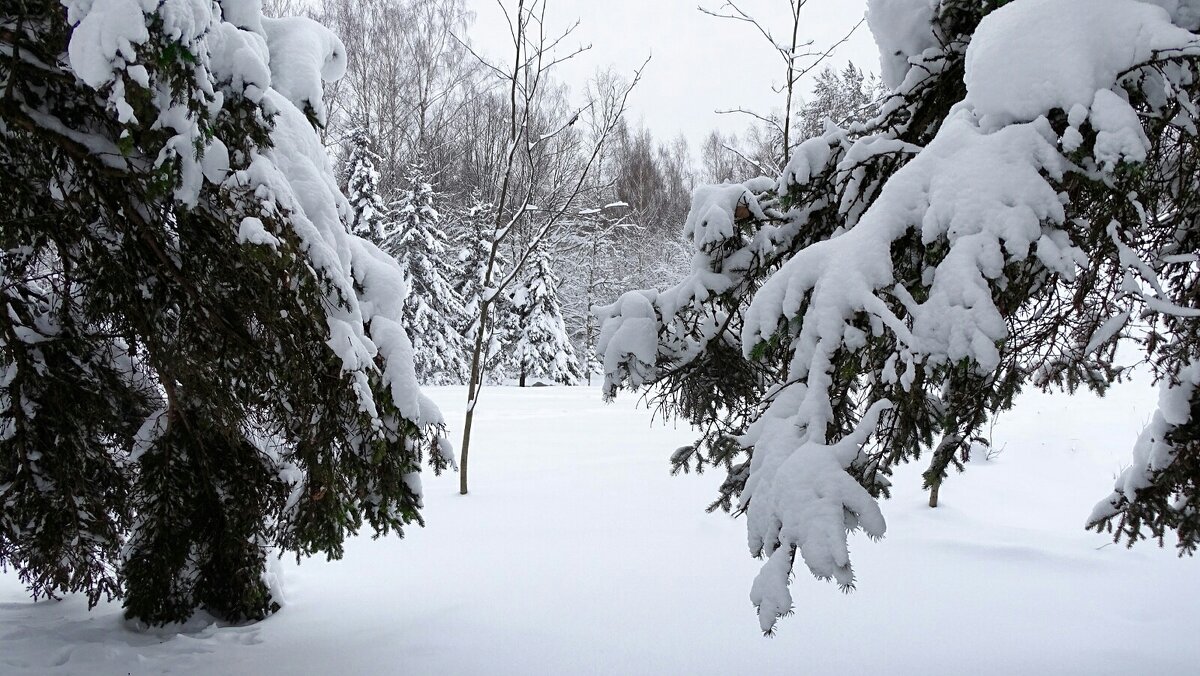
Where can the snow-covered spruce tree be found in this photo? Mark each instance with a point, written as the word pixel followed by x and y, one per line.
pixel 433 312
pixel 368 210
pixel 841 97
pixel 471 239
pixel 199 363
pixel 542 348
pixel 1024 199
pixel 474 243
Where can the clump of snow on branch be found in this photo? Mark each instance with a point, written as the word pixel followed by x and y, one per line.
pixel 902 29
pixel 1153 453
pixel 1047 54
pixel 715 210
pixel 630 326
pixel 628 340
pixel 310 55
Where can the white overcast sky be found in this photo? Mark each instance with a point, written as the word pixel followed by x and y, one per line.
pixel 699 63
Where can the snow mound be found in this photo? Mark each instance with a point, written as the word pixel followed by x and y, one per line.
pixel 304 54
pixel 1032 56
pixel 902 29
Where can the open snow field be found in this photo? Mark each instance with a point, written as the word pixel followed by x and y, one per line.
pixel 576 552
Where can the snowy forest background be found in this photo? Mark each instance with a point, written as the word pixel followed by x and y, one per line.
pixel 418 130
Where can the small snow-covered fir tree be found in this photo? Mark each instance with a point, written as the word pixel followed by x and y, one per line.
pixel 471 239
pixel 198 363
pixel 368 210
pixel 433 310
pixel 474 245
pixel 542 348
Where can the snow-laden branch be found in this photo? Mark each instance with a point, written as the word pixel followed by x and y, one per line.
pixel 982 206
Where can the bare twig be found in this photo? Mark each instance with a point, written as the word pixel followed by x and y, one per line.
pixel 791 54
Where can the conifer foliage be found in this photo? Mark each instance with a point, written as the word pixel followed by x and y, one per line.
pixel 839 97
pixel 433 311
pixel 474 246
pixel 1018 206
pixel 197 362
pixel 368 210
pixel 542 348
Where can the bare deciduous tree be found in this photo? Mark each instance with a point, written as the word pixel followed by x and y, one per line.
pixel 531 147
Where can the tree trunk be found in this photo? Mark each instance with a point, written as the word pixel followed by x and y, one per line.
pixel 522 384
pixel 933 494
pixel 473 386
pixel 791 86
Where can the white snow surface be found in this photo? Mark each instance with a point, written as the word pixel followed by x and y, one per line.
pixel 577 553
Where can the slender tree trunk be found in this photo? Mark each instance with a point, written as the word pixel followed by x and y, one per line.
pixel 942 456
pixel 791 85
pixel 590 298
pixel 485 307
pixel 473 386
pixel 522 384
pixel 531 69
pixel 587 360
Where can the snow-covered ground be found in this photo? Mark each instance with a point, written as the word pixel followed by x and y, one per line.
pixel 576 552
